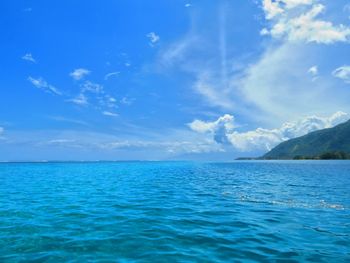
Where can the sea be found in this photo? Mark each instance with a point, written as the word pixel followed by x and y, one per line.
pixel 243 211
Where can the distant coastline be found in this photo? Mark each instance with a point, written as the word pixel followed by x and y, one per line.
pixel 336 155
pixel 327 144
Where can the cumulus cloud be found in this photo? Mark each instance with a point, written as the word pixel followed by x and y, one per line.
pixel 313 70
pixel 29 57
pixel 40 83
pixel 342 73
pixel 224 132
pixel 272 9
pixel 298 20
pixel 153 38
pixel 218 128
pixel 79 73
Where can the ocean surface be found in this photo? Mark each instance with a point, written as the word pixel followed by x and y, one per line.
pixel 175 212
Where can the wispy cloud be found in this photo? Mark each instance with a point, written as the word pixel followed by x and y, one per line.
pixel 110 114
pixel 188 5
pixel 224 132
pixel 79 73
pixel 342 73
pixel 275 85
pixel 94 94
pixel 40 83
pixel 111 74
pixel 29 57
pixel 169 144
pixel 89 86
pixel 127 100
pixel 69 120
pixel 80 100
pixel 153 38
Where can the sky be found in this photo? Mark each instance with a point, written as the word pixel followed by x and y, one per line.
pixel 168 80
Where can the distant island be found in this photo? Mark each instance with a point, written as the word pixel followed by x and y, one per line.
pixel 326 144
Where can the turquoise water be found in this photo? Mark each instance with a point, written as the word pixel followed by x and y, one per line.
pixel 175 212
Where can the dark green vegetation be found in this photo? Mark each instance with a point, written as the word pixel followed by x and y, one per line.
pixel 327 144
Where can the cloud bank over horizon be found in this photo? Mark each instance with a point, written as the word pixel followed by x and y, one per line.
pixel 223 130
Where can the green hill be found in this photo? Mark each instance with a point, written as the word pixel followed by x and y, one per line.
pixel 332 143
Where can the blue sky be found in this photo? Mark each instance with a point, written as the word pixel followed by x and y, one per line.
pixel 168 80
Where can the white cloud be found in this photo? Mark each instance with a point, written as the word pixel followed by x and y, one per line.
pixel 313 70
pixel 178 51
pixel 342 73
pixel 264 32
pixel 92 87
pixel 127 101
pixel 214 89
pixel 80 100
pixel 218 128
pixel 191 55
pixel 153 37
pixel 60 141
pixel 271 87
pixel 29 57
pixel 226 121
pixel 290 21
pixel 69 120
pixel 264 139
pixel 278 88
pixel 107 76
pixel 111 114
pixel 188 5
pixel 272 9
pixel 79 73
pixel 109 101
pixel 40 83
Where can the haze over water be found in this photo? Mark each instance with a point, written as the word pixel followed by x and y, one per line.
pixel 175 212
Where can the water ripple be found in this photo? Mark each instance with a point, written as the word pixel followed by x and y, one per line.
pixel 175 212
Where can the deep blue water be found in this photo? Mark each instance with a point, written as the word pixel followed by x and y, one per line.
pixel 175 212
